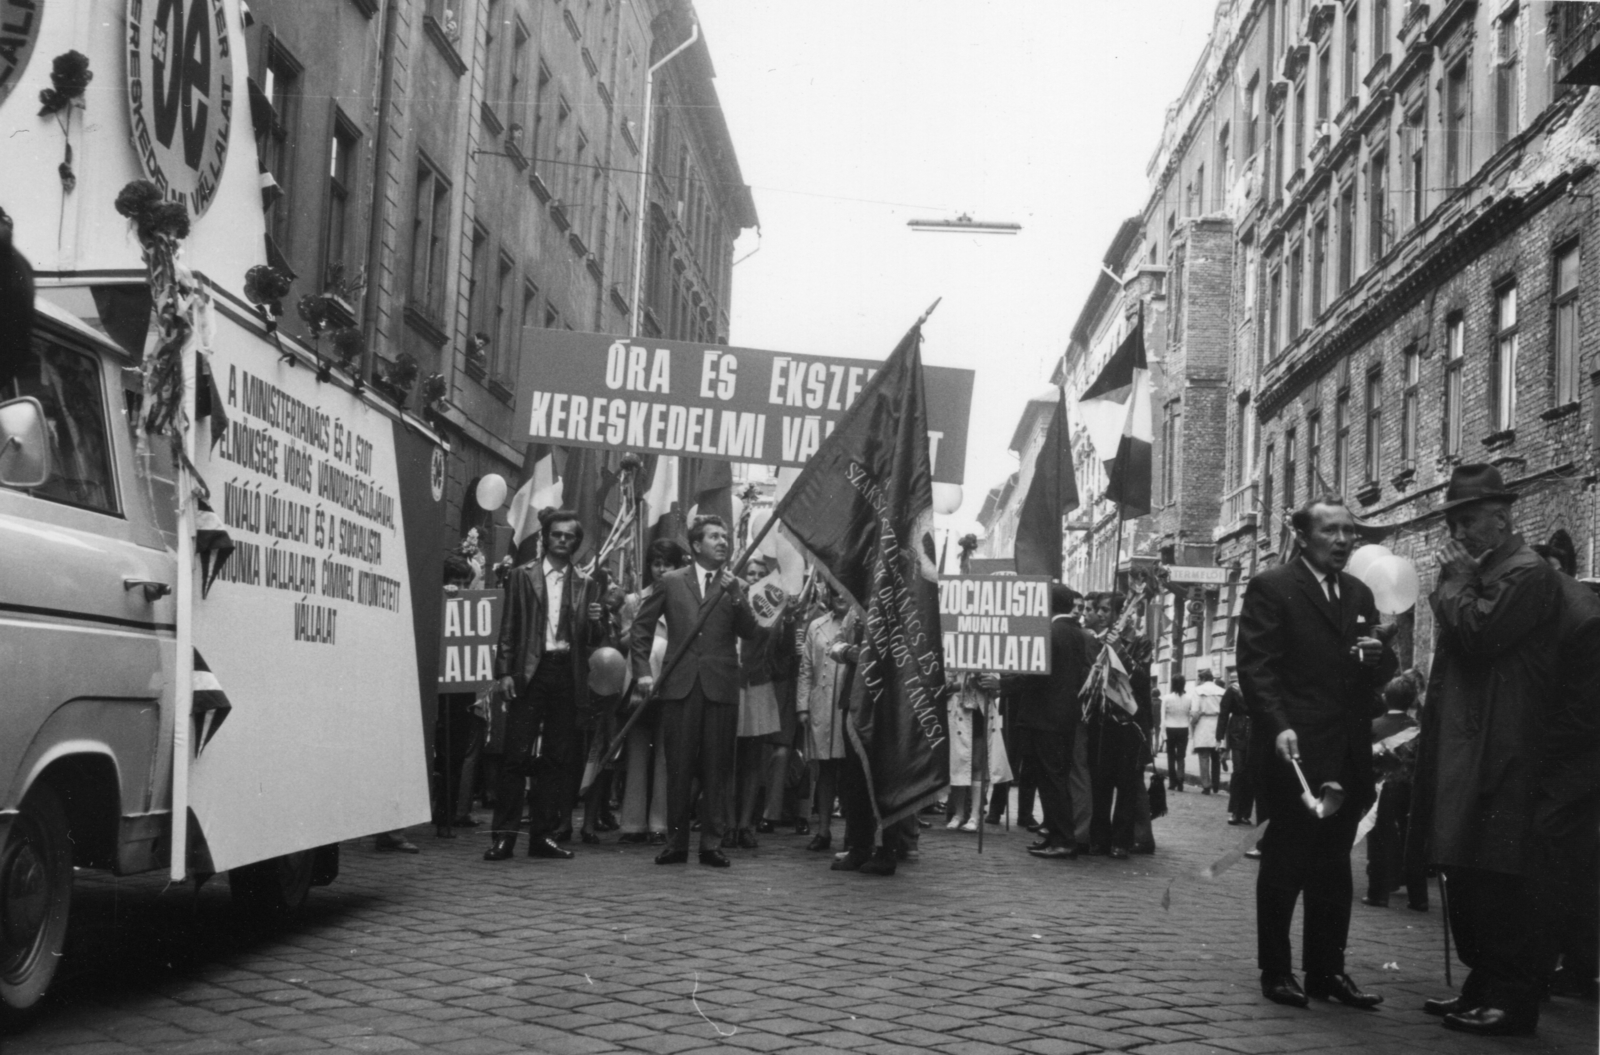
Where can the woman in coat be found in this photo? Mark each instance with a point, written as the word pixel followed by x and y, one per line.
pixel 820 712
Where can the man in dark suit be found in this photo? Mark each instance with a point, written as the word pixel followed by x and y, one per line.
pixel 1310 663
pixel 552 619
pixel 1046 712
pixel 700 699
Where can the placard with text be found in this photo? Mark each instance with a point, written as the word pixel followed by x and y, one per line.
pixel 996 623
pixel 470 627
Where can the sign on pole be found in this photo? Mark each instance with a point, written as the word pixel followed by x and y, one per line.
pixel 467 643
pixel 1197 573
pixel 714 401
pixel 995 623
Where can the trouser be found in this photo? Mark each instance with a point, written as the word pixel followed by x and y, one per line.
pixel 1493 920
pixel 1082 788
pixel 1047 754
pixel 855 802
pixel 700 739
pixel 826 792
pixel 1301 853
pixel 1241 792
pixel 1565 861
pixel 1387 860
pixel 543 712
pixel 1144 833
pixel 1177 751
pixel 1114 773
pixel 751 757
pixel 455 751
pixel 1210 768
pixel 644 797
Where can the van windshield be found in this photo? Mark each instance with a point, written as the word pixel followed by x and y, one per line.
pixel 67 384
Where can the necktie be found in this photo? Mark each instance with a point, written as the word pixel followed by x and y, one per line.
pixel 710 577
pixel 1331 585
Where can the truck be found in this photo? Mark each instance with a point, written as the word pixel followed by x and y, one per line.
pixel 216 629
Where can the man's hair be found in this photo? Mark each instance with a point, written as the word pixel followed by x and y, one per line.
pixel 560 516
pixel 1205 674
pixel 1063 599
pixel 697 530
pixel 1179 683
pixel 1101 596
pixel 1400 694
pixel 667 551
pixel 1300 519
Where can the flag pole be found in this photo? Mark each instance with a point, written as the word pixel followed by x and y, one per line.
pixel 621 738
pixel 935 304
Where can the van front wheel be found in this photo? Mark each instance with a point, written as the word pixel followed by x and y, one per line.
pixel 276 887
pixel 35 894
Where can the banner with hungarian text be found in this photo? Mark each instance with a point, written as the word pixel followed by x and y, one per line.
pixel 993 623
pixel 714 401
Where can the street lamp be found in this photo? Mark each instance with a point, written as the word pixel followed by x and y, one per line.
pixel 963 224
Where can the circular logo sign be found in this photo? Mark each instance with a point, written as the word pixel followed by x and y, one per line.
pixel 436 475
pixel 180 95
pixel 19 32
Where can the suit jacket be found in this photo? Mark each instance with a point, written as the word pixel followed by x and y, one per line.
pixel 522 626
pixel 713 656
pixel 1049 702
pixel 1297 673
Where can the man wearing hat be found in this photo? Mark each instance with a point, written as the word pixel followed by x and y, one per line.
pixel 1310 661
pixel 1488 776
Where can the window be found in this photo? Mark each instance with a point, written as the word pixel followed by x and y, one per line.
pixel 479 317
pixel 1414 167
pixel 67 385
pixel 1324 83
pixel 1297 282
pixel 1457 125
pixel 281 86
pixel 1409 409
pixel 1380 29
pixel 1274 312
pixel 430 227
pixel 1374 436
pixel 1352 53
pixel 1314 451
pixel 1319 266
pixel 1224 176
pixel 536 143
pixel 1455 358
pixel 1289 482
pixel 493 98
pixel 1341 434
pixel 1252 110
pixel 527 318
pixel 573 181
pixel 518 90
pixel 1267 480
pixel 560 171
pixel 1171 436
pixel 1377 192
pixel 1507 119
pixel 503 320
pixel 622 248
pixel 1299 126
pixel 1565 299
pixel 1277 157
pixel 1347 235
pixel 336 230
pixel 1503 368
pixel 1200 188
pixel 1244 442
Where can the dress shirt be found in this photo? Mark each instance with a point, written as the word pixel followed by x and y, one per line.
pixel 555 588
pixel 1328 580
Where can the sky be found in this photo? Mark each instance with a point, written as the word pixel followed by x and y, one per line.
pixel 851 117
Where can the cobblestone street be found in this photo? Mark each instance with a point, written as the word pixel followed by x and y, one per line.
pixel 959 953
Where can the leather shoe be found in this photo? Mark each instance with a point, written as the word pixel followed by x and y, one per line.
pixel 502 847
pixel 849 862
pixel 1455 1005
pixel 881 863
pixel 672 857
pixel 747 839
pixel 820 843
pixel 1029 823
pixel 766 827
pixel 714 858
pixel 546 847
pixel 1054 853
pixel 1118 853
pixel 1374 902
pixel 1340 987
pixel 1040 845
pixel 1283 989
pixel 1490 1022
pixel 589 838
pixel 1254 855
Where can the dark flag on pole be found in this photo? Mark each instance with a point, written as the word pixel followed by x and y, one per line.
pixel 1052 494
pixel 1116 409
pixel 863 507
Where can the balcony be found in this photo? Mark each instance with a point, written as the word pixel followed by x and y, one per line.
pixel 1238 514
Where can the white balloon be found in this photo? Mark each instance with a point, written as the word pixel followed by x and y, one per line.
pixel 1394 584
pixel 946 498
pixel 491 493
pixel 1363 557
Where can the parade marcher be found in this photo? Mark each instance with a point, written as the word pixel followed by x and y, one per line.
pixel 700 697
pixel 1310 662
pixel 1394 759
pixel 977 749
pixel 868 849
pixel 821 713
pixel 766 671
pixel 1046 715
pixel 1234 722
pixel 644 796
pixel 1505 771
pixel 552 619
pixel 458 730
pixel 1176 708
pixel 1204 713
pixel 1117 750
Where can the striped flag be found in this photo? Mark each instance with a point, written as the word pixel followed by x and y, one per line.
pixel 1116 410
pixel 210 708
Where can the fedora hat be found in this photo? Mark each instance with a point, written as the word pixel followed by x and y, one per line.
pixel 1475 483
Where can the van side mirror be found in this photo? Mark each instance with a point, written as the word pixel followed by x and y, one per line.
pixel 24 446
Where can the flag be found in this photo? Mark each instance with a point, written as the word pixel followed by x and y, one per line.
pixel 540 489
pixel 1052 494
pixel 707 489
pixel 663 515
pixel 586 481
pixel 1116 409
pixel 863 507
pixel 210 707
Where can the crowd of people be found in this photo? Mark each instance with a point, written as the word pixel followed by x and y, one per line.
pixel 1482 773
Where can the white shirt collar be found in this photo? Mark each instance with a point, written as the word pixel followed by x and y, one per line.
pixel 1320 576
